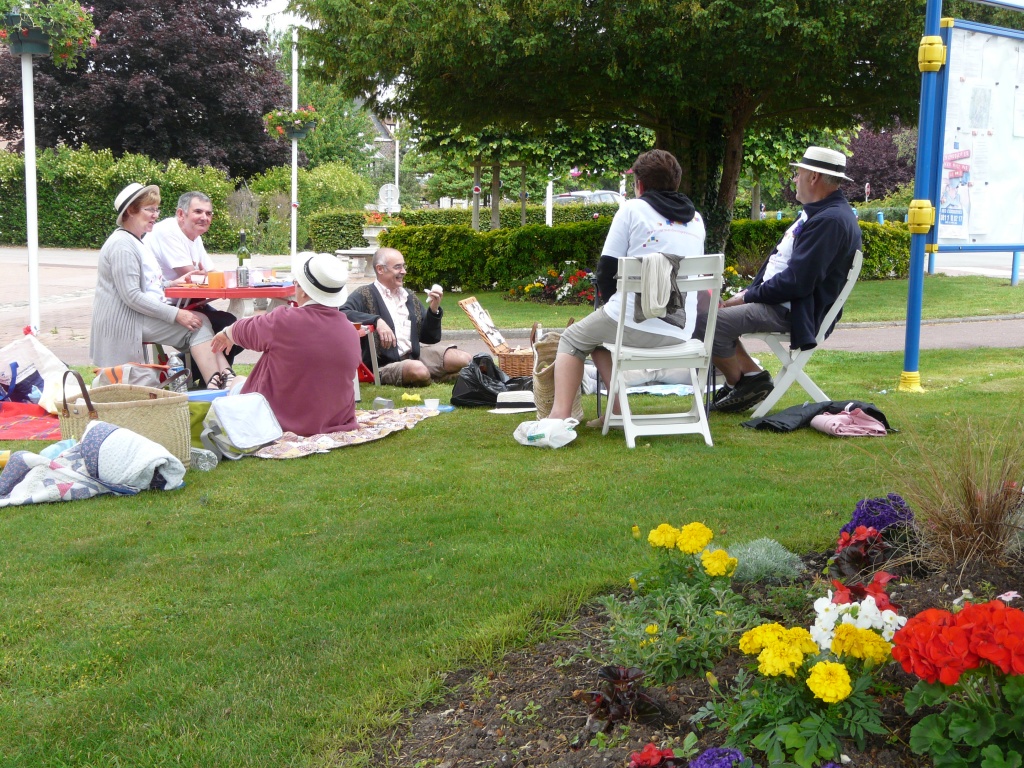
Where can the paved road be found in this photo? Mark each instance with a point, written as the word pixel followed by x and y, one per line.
pixel 68 279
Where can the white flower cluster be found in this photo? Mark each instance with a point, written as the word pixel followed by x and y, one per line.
pixel 863 615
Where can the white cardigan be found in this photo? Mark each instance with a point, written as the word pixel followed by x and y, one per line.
pixel 121 302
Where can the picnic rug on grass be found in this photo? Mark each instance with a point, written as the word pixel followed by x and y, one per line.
pixel 373 425
pixel 27 421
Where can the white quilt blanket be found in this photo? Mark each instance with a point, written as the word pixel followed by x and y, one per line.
pixel 109 459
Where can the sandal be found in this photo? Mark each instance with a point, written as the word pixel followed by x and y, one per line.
pixel 227 377
pixel 216 381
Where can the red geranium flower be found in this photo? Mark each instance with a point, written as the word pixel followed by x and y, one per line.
pixel 649 757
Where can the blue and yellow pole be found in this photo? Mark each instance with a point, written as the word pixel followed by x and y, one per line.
pixel 931 57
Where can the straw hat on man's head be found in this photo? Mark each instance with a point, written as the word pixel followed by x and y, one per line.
pixel 129 195
pixel 827 161
pixel 322 277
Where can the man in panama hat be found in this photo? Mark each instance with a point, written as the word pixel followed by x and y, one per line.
pixel 796 285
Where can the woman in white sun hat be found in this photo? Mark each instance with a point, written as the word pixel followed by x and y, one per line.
pixel 310 351
pixel 125 316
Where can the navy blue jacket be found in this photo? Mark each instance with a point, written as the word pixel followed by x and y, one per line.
pixel 823 250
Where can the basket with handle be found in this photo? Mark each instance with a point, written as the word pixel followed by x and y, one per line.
pixel 157 414
pixel 514 362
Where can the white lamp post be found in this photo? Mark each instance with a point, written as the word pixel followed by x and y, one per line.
pixel 295 141
pixel 31 199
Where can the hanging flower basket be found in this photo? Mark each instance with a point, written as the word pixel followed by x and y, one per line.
pixel 61 28
pixel 283 124
pixel 299 131
pixel 33 41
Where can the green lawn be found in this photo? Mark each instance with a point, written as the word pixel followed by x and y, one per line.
pixel 871 300
pixel 271 613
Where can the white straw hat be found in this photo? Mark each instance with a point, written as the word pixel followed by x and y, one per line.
pixel 827 161
pixel 127 195
pixel 322 276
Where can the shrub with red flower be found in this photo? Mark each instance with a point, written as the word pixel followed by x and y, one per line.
pixel 973 662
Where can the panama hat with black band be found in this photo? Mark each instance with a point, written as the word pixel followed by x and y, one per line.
pixel 130 194
pixel 322 277
pixel 822 160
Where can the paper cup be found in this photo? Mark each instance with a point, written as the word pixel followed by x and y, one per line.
pixel 432 403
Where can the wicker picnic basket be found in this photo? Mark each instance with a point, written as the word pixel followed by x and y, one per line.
pixel 514 362
pixel 160 415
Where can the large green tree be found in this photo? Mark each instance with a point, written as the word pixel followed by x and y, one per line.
pixel 700 74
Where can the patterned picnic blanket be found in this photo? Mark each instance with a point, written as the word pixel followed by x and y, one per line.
pixel 373 425
pixel 107 460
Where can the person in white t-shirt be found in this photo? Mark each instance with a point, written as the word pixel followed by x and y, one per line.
pixel 659 220
pixel 176 247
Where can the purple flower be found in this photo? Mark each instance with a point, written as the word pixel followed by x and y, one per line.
pixel 880 513
pixel 717 757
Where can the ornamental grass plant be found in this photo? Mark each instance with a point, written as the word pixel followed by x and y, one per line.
pixel 286 613
pixel 967 500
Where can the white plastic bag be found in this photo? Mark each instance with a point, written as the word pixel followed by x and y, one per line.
pixel 546 433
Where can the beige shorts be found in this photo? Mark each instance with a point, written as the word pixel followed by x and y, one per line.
pixel 598 330
pixel 431 355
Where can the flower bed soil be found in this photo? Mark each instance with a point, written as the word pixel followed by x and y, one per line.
pixel 530 708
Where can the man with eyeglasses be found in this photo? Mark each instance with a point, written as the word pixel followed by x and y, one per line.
pixel 406 328
pixel 176 245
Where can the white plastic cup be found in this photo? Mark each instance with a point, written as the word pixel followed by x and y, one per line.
pixel 432 403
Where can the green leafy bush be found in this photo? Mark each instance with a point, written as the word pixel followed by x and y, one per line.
pixel 76 190
pixel 333 230
pixel 458 256
pixel 750 241
pixel 676 630
pixel 886 251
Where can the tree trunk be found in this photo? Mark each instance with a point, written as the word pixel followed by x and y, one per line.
pixel 476 196
pixel 755 200
pixel 495 196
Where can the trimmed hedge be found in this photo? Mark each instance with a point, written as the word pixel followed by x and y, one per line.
pixel 331 230
pixel 458 256
pixel 76 191
pixel 891 214
pixel 336 229
pixel 886 251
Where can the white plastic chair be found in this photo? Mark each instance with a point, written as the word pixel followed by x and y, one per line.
pixel 794 360
pixel 696 273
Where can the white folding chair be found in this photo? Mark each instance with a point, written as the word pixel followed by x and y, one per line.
pixel 696 273
pixel 794 360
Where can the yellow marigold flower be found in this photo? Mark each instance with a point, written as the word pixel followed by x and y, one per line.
pixel 754 640
pixel 718 563
pixel 635 530
pixel 801 639
pixel 652 629
pixel 633 584
pixel 829 681
pixel 663 536
pixel 694 537
pixel 779 658
pixel 865 644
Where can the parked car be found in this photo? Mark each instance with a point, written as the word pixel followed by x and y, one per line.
pixel 587 197
pixel 606 196
pixel 570 198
